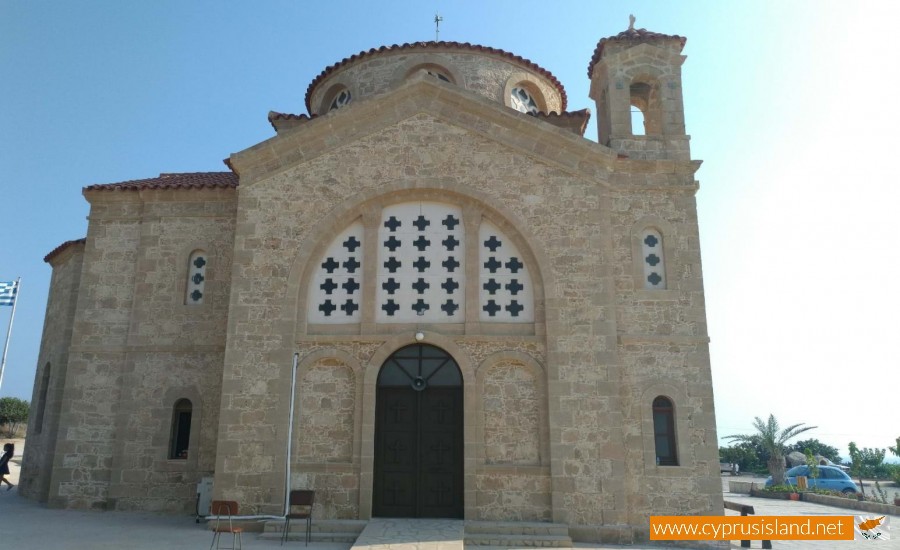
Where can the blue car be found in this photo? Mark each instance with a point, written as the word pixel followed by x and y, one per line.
pixel 830 478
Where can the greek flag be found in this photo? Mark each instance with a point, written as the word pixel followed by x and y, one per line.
pixel 8 293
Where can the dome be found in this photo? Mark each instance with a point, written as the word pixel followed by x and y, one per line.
pixel 498 75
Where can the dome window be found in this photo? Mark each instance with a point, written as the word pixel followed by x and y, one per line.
pixel 522 101
pixel 341 99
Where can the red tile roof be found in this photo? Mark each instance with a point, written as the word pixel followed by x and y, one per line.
pixel 631 35
pixel 576 121
pixel 432 45
pixel 58 250
pixel 186 180
pixel 287 120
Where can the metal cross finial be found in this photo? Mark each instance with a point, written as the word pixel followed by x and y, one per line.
pixel 437 26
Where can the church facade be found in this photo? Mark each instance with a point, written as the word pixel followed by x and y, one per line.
pixel 429 297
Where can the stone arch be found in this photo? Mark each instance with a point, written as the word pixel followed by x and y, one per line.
pixel 672 390
pixel 335 88
pixel 367 206
pixel 367 452
pixel 182 271
pixel 538 426
pixel 172 396
pixel 425 62
pixel 528 82
pixel 327 383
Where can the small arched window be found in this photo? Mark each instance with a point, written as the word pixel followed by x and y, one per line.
pixel 523 101
pixel 664 432
pixel 646 109
pixel 341 99
pixel 653 259
pixel 196 283
pixel 637 122
pixel 180 438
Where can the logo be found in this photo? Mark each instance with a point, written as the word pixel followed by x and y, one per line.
pixel 872 527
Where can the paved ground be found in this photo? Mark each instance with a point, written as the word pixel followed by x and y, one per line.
pixel 27 525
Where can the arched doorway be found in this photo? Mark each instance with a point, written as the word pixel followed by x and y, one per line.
pixel 419 435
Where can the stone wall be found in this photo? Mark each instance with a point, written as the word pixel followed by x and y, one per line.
pixel 137 348
pixel 579 232
pixel 50 375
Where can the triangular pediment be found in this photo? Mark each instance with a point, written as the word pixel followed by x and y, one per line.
pixel 303 139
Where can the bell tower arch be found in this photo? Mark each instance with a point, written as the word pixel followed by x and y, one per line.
pixel 640 70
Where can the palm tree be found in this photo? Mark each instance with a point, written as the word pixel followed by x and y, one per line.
pixel 773 440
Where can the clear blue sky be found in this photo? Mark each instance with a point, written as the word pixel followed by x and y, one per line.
pixel 791 105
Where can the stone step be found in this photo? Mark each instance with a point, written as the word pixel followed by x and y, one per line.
pixel 517 528
pixel 328 530
pixel 518 541
pixel 319 536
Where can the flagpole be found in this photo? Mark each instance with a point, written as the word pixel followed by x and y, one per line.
pixel 9 330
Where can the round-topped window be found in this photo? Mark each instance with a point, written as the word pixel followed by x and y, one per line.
pixel 522 101
pixel 341 99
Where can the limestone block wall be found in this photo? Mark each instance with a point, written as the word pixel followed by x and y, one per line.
pixel 663 347
pixel 326 436
pixel 572 203
pixel 137 348
pixel 175 223
pixel 513 479
pixel 50 375
pixel 144 476
pixel 291 206
pixel 84 449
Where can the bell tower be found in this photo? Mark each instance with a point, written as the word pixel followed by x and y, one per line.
pixel 637 74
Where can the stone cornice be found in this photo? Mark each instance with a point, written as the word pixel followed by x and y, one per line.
pixel 636 338
pixel 149 348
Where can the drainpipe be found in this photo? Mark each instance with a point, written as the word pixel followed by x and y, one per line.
pixel 290 439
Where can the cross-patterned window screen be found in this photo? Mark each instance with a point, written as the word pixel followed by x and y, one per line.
pixel 420 271
pixel 336 288
pixel 653 260
pixel 196 283
pixel 421 264
pixel 504 286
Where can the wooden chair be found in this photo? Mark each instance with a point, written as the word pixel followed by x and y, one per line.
pixel 300 507
pixel 223 510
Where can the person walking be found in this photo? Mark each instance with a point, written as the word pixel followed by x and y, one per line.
pixel 8 450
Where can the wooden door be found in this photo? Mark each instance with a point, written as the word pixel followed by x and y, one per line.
pixel 419 439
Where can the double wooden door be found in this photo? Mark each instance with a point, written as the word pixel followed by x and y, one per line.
pixel 418 445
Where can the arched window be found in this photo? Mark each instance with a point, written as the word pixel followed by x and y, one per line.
pixel 181 430
pixel 653 259
pixel 523 101
pixel 644 99
pixel 341 99
pixel 421 270
pixel 664 432
pixel 637 122
pixel 196 278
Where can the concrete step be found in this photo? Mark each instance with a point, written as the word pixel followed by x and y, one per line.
pixel 517 528
pixel 517 534
pixel 518 541
pixel 349 538
pixel 328 530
